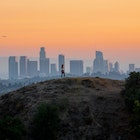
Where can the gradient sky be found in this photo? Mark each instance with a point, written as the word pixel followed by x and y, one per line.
pixel 75 28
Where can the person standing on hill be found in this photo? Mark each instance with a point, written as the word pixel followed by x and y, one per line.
pixel 62 70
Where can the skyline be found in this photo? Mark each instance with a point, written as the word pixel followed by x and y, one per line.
pixel 86 63
pixel 76 28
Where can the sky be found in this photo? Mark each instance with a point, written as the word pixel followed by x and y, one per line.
pixel 75 28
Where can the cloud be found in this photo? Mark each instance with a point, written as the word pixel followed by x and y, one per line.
pixel 3 36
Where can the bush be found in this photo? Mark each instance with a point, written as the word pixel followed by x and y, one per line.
pixel 11 128
pixel 132 100
pixel 136 118
pixel 45 122
pixel 132 90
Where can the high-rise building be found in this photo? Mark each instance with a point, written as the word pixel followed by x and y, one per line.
pixel 106 67
pixel 98 64
pixel 32 68
pixel 44 63
pixel 88 70
pixel 13 68
pixel 131 67
pixel 42 60
pixel 61 61
pixel 47 66
pixel 23 66
pixel 137 69
pixel 116 67
pixel 76 67
pixel 53 70
pixel 111 68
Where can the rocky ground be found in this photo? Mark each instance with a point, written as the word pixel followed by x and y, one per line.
pixel 91 108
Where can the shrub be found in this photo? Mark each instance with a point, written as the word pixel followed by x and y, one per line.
pixel 45 122
pixel 132 100
pixel 132 90
pixel 136 118
pixel 11 128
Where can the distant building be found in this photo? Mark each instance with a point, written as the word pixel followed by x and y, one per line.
pixel 76 67
pixel 137 69
pixel 106 69
pixel 32 68
pixel 131 68
pixel 111 68
pixel 61 60
pixel 23 66
pixel 116 67
pixel 53 70
pixel 98 64
pixel 13 68
pixel 88 70
pixel 44 63
pixel 47 67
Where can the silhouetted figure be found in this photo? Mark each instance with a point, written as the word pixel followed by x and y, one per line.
pixel 62 71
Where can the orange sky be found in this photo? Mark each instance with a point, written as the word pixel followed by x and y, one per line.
pixel 75 28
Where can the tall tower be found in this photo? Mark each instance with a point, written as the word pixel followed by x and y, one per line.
pixel 61 60
pixel 32 68
pixel 98 64
pixel 116 67
pixel 131 67
pixel 23 66
pixel 53 70
pixel 106 67
pixel 13 68
pixel 44 62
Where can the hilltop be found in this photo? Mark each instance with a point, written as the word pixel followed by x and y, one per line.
pixel 91 108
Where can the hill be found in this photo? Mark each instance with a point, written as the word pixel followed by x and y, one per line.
pixel 91 108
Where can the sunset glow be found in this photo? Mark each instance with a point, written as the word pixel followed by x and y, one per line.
pixel 75 28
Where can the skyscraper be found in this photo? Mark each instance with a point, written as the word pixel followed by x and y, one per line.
pixel 61 60
pixel 23 66
pixel 76 67
pixel 32 68
pixel 47 67
pixel 53 70
pixel 13 68
pixel 44 63
pixel 98 64
pixel 106 67
pixel 131 67
pixel 111 68
pixel 116 67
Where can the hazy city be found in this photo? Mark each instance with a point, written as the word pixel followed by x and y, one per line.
pixel 23 71
pixel 70 70
pixel 23 67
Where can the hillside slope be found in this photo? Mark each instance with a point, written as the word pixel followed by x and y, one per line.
pixel 92 108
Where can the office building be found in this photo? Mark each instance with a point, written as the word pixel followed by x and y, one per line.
pixel 53 70
pixel 106 69
pixel 76 67
pixel 32 68
pixel 116 67
pixel 61 61
pixel 111 68
pixel 44 63
pixel 23 66
pixel 98 64
pixel 131 68
pixel 13 68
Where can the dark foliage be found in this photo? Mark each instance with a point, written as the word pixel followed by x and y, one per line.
pixel 132 100
pixel 45 122
pixel 11 128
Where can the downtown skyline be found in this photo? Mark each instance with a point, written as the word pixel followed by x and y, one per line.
pixel 86 64
pixel 76 28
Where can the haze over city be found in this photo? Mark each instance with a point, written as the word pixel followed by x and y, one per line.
pixel 75 28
